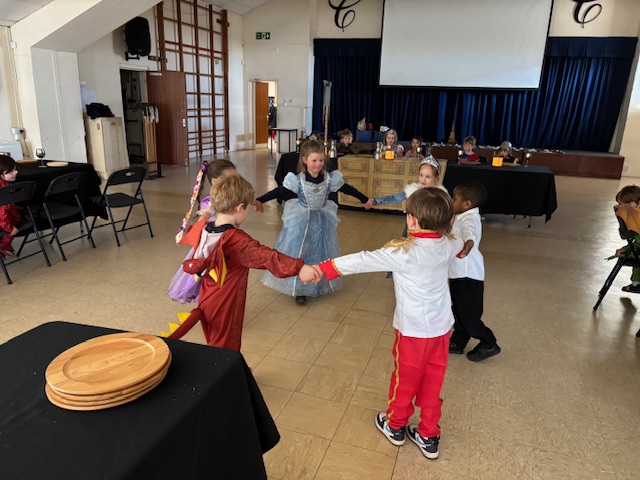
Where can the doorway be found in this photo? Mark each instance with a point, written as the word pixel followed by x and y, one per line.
pixel 133 95
pixel 265 112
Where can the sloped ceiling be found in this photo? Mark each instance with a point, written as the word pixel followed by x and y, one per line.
pixel 12 11
pixel 239 7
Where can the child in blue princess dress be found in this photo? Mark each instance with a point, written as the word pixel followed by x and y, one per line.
pixel 310 220
pixel 184 287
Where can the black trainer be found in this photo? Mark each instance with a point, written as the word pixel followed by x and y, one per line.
pixel 394 436
pixel 428 446
pixel 453 348
pixel 481 352
pixel 301 299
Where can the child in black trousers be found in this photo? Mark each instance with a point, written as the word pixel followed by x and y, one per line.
pixel 466 276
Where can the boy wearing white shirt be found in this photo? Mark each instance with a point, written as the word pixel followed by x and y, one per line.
pixel 422 318
pixel 466 276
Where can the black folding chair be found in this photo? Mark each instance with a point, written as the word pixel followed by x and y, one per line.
pixel 21 193
pixel 132 175
pixel 61 205
pixel 631 258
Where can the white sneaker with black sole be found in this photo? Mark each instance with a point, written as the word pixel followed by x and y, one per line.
pixel 428 446
pixel 396 437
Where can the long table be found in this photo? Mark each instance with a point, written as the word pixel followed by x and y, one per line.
pixel 529 191
pixel 43 176
pixel 206 419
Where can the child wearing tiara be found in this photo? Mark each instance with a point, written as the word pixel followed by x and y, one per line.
pixel 184 287
pixel 428 176
pixel 310 220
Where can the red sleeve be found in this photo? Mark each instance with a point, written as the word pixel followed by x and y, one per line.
pixel 253 254
pixel 329 269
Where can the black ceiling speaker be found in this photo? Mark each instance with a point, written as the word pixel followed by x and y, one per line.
pixel 137 38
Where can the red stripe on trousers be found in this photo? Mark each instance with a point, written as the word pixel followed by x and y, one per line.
pixel 420 365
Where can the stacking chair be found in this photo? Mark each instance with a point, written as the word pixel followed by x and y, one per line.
pixel 58 207
pixel 111 200
pixel 21 192
pixel 631 258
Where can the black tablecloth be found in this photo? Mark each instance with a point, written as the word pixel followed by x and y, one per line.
pixel 43 176
pixel 511 190
pixel 206 419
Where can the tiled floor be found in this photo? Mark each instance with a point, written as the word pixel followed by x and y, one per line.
pixel 561 401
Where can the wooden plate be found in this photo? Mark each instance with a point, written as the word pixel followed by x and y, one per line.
pixel 107 364
pixel 26 161
pixel 99 405
pixel 112 396
pixel 57 164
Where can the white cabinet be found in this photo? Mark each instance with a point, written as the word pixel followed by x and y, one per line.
pixel 106 145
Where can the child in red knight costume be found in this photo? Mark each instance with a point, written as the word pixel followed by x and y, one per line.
pixel 422 317
pixel 223 258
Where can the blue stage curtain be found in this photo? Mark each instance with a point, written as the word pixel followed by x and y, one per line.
pixel 576 107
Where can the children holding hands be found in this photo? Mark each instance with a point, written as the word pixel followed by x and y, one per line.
pixel 222 258
pixel 310 220
pixel 466 276
pixel 422 318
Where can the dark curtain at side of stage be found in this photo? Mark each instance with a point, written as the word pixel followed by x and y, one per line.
pixel 576 107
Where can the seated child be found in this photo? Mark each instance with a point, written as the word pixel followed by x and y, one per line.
pixel 468 156
pixel 413 151
pixel 346 146
pixel 10 215
pixel 629 197
pixel 505 152
pixel 223 258
pixel 422 318
pixel 466 276
pixel 391 142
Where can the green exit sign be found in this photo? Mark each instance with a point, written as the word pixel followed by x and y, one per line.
pixel 263 35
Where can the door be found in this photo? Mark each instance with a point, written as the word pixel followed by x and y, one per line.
pixel 262 112
pixel 168 91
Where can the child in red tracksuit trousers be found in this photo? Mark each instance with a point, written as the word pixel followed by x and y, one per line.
pixel 422 318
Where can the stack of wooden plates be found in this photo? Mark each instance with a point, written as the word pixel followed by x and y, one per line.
pixel 107 371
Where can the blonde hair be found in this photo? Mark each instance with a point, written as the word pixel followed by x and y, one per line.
pixel 432 208
pixel 389 132
pixel 229 191
pixel 433 163
pixel 309 147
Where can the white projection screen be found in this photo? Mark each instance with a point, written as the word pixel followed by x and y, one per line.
pixel 464 43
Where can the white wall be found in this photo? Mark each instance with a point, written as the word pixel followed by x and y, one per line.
pixel 8 110
pixel 237 135
pixel 99 65
pixel 286 58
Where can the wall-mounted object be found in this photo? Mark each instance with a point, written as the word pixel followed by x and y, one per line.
pixel 138 38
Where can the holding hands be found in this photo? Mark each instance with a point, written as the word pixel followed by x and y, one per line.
pixel 257 206
pixel 468 245
pixel 368 205
pixel 309 274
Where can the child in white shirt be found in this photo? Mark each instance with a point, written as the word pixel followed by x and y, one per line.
pixel 422 318
pixel 466 276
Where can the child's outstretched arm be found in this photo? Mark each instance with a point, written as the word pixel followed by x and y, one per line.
pixel 279 193
pixel 390 199
pixel 347 189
